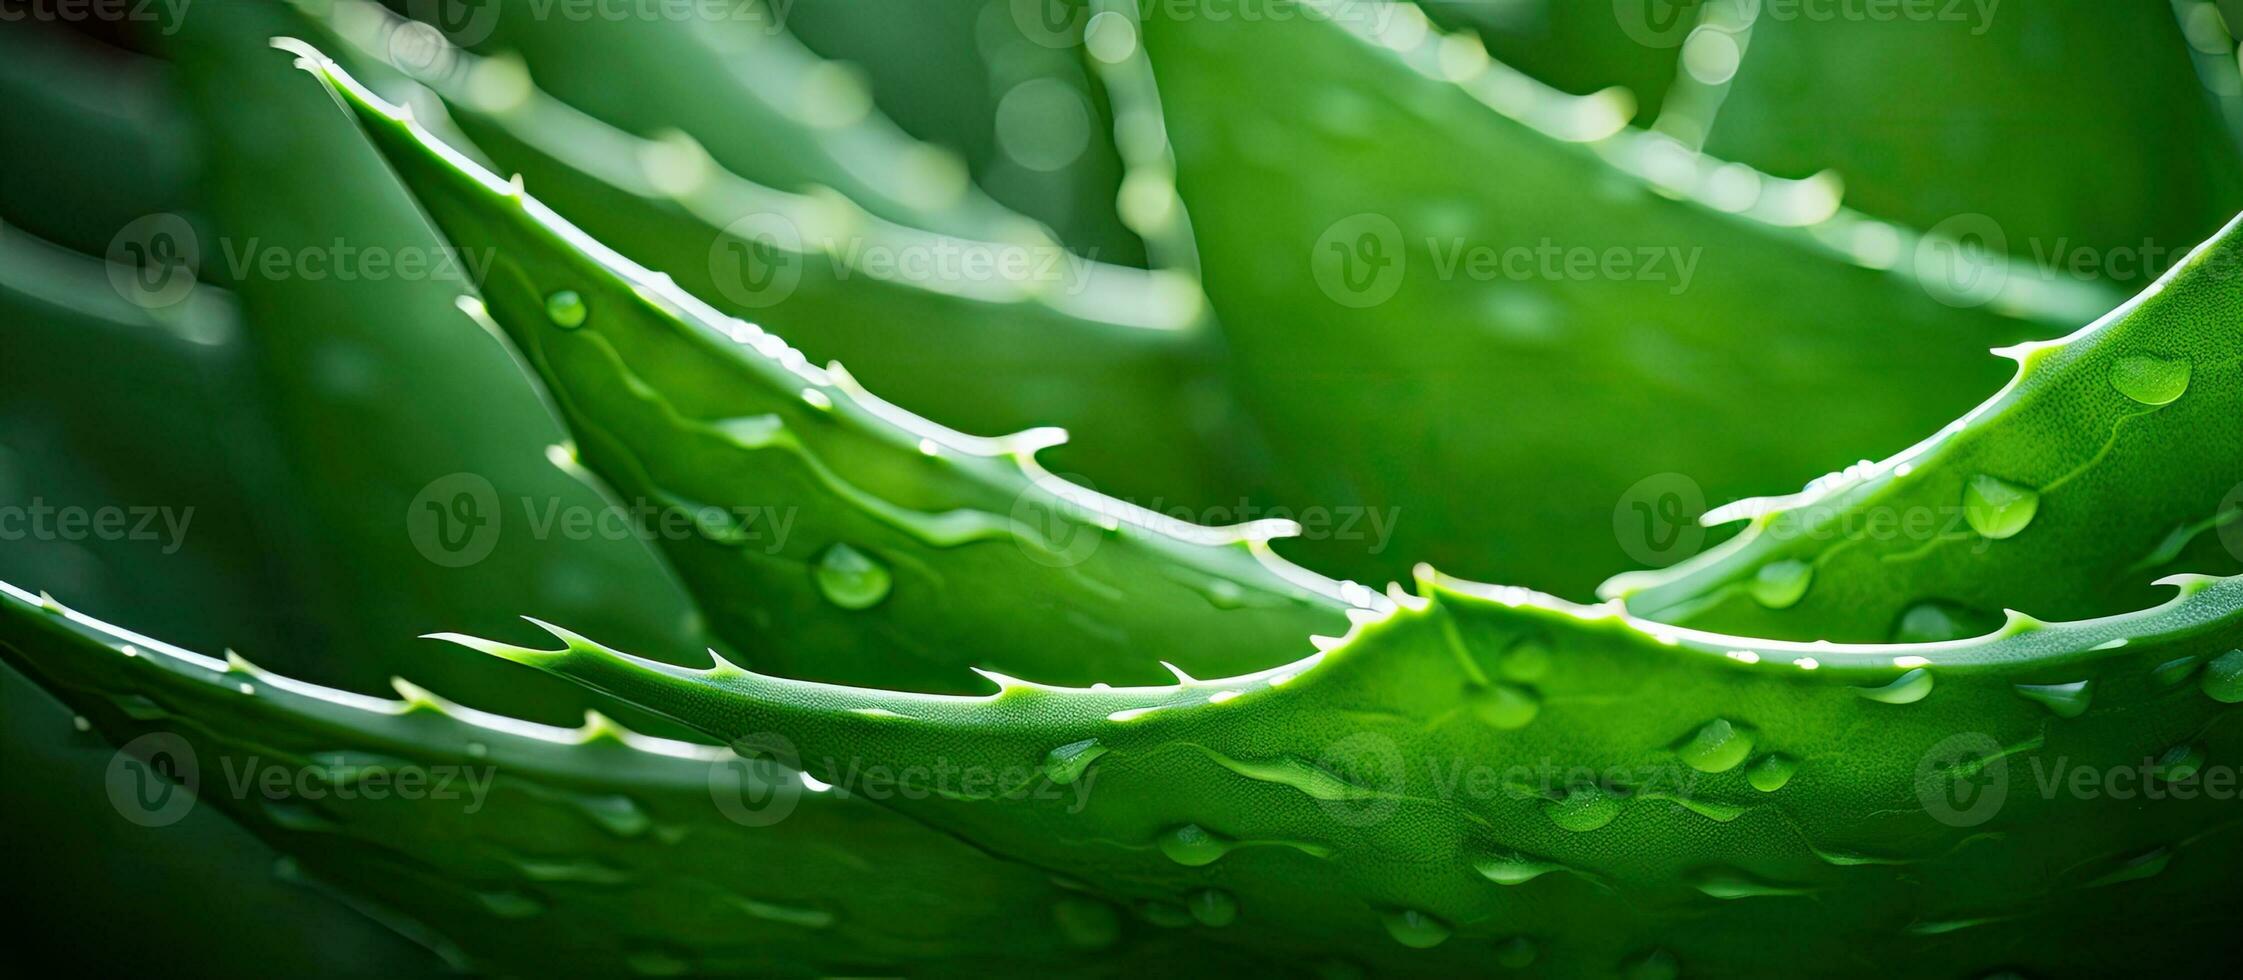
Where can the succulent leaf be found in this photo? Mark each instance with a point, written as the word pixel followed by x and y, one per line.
pixel 1670 790
pixel 780 465
pixel 515 847
pixel 1744 327
pixel 2033 501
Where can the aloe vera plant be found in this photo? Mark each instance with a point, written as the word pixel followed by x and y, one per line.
pixel 1997 745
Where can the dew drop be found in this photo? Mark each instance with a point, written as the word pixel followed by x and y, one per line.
pixel 1527 660
pixel 850 578
pixel 1505 706
pixel 1213 907
pixel 1066 763
pixel 1087 923
pixel 2066 700
pixel 80 723
pixel 2179 763
pixel 1512 869
pixel 1415 929
pixel 1997 508
pixel 1583 808
pixel 566 309
pixel 2151 380
pixel 2223 677
pixel 2174 671
pixel 1192 845
pixel 1771 772
pixel 1780 585
pixel 1718 746
pixel 1517 953
pixel 1937 621
pixel 1165 915
pixel 618 815
pixel 1908 688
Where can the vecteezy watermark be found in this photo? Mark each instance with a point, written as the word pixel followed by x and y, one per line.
pixel 1966 779
pixel 1362 260
pixel 1963 780
pixel 338 260
pixel 152 779
pixel 455 521
pixel 166 15
pixel 1358 262
pixel 1665 23
pixel 1060 521
pixel 1969 260
pixel 1656 520
pixel 1363 778
pixel 155 780
pixel 154 261
pixel 42 521
pixel 761 258
pixel 757 782
pixel 1060 23
pixel 471 22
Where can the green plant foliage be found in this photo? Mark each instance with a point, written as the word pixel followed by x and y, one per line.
pixel 508 846
pixel 1615 789
pixel 2047 476
pixel 1957 117
pixel 543 315
pixel 1117 356
pixel 1734 349
pixel 893 524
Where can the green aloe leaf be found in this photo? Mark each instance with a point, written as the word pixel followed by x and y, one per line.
pixel 1424 338
pixel 1018 101
pixel 360 378
pixel 2109 457
pixel 820 526
pixel 1581 47
pixel 1490 773
pixel 144 438
pixel 517 848
pixel 93 141
pixel 1116 356
pixel 1961 114
pixel 764 106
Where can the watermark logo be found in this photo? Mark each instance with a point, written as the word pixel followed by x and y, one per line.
pixel 1055 521
pixel 1963 780
pixel 463 22
pixel 167 15
pixel 757 784
pixel 1964 260
pixel 1656 520
pixel 1358 261
pixel 1051 23
pixel 757 262
pixel 1369 778
pixel 2231 521
pixel 1656 23
pixel 152 780
pixel 454 520
pixel 153 260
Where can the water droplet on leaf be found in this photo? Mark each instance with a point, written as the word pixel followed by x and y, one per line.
pixel 1718 746
pixel 1415 929
pixel 2151 380
pixel 1771 772
pixel 850 578
pixel 1997 508
pixel 1780 585
pixel 566 309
